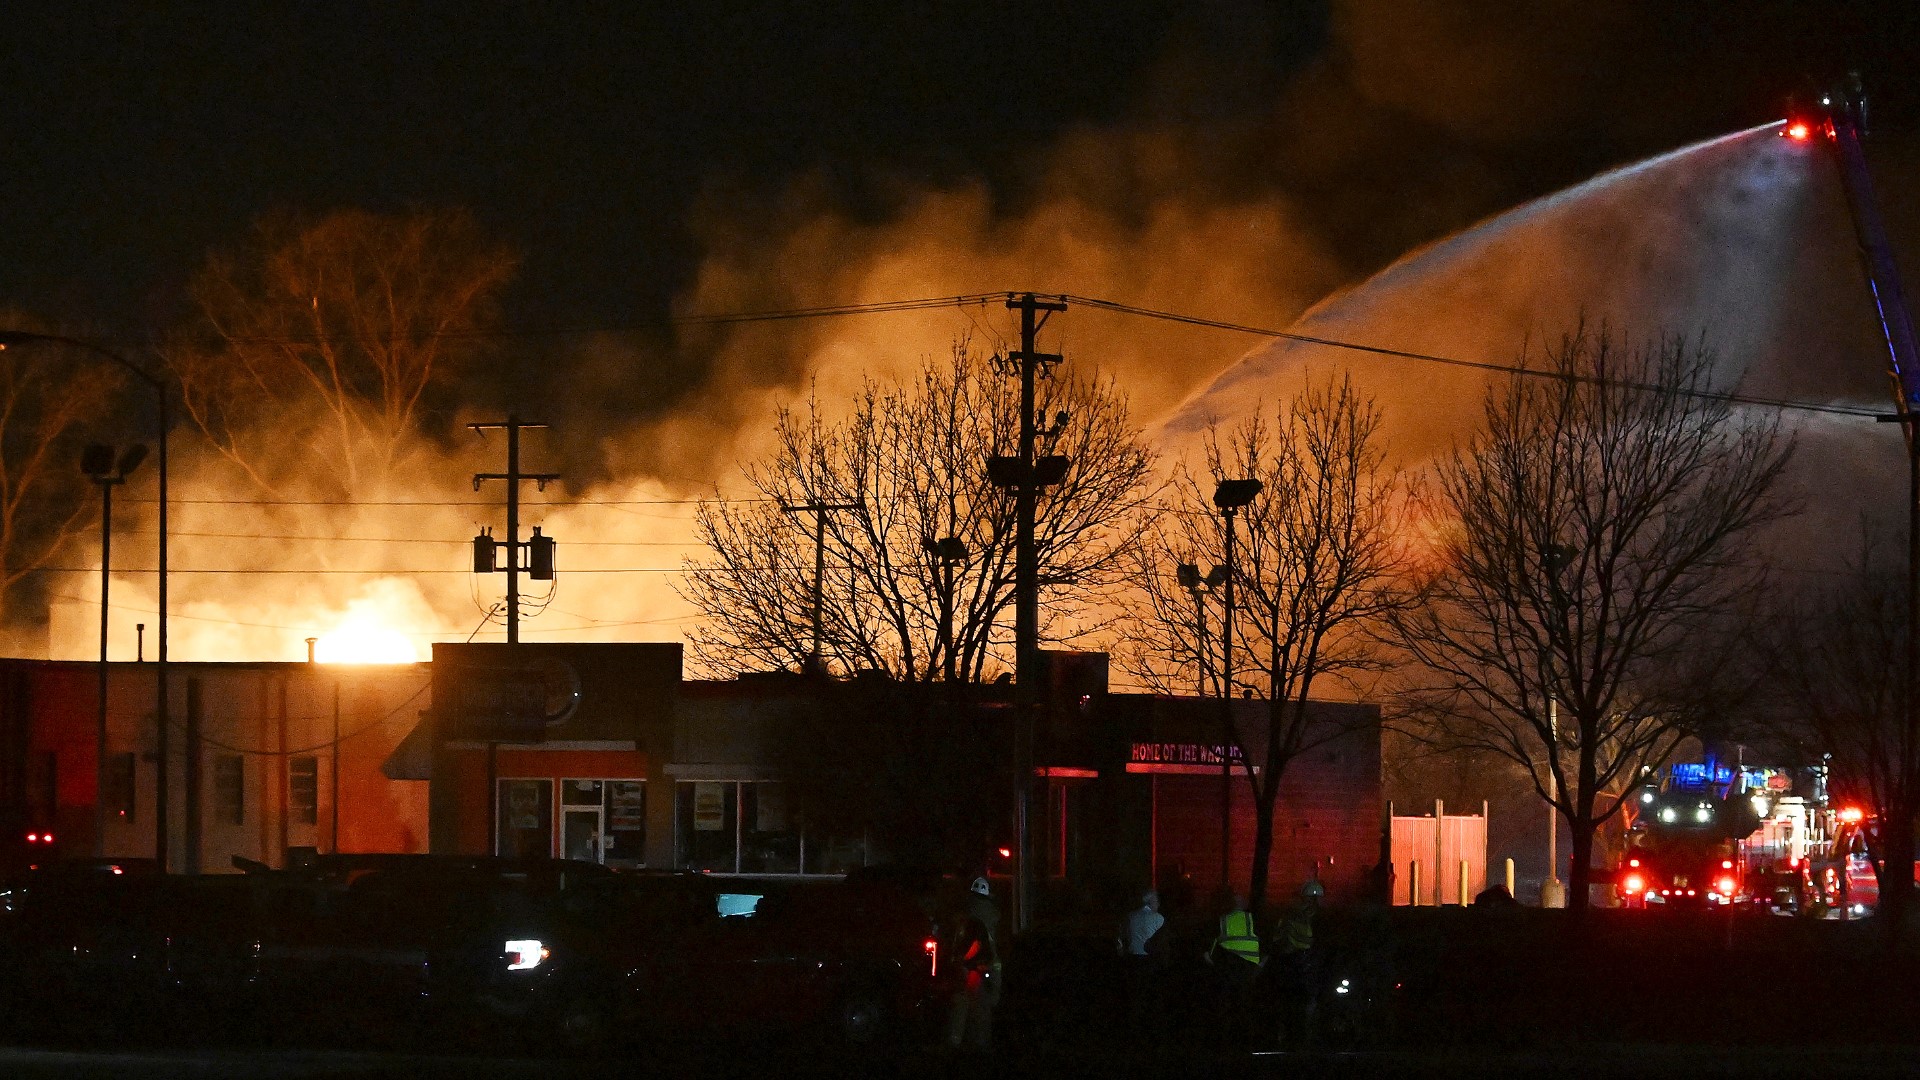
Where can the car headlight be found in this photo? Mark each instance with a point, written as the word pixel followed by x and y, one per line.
pixel 525 954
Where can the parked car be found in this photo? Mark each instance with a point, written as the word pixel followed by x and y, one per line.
pixel 692 955
pixel 106 949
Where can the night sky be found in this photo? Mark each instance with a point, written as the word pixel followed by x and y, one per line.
pixel 596 140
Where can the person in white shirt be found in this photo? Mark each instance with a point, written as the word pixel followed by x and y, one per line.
pixel 1143 922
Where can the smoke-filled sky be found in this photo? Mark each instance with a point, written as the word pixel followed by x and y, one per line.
pixel 1233 160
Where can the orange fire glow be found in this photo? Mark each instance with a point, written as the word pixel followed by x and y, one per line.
pixel 363 640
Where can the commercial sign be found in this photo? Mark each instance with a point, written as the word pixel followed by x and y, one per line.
pixel 512 702
pixel 710 806
pixel 1181 758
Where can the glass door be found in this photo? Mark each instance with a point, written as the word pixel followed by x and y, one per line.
pixel 582 821
pixel 581 832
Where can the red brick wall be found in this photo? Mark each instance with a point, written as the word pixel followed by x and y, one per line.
pixel 1327 815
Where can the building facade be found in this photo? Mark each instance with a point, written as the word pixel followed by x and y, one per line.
pixel 262 758
pixel 604 752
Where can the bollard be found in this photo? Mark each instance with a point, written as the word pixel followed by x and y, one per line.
pixel 1413 883
pixel 1464 897
pixel 1510 891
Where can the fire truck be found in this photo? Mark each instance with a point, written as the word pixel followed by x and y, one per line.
pixel 1684 836
pixel 1706 834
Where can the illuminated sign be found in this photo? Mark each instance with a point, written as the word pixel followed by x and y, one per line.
pixel 1173 753
pixel 1693 774
pixel 1163 757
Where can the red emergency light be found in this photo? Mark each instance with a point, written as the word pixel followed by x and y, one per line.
pixel 1797 130
pixel 1634 883
pixel 1851 814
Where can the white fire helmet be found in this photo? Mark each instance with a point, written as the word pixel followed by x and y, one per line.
pixel 980 886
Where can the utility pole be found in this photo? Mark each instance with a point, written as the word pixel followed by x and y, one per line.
pixel 484 562
pixel 485 544
pixel 819 510
pixel 1026 475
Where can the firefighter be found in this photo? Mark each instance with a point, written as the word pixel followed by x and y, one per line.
pixel 975 956
pixel 1296 972
pixel 1237 960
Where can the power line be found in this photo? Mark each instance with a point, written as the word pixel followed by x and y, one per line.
pixel 421 540
pixel 969 299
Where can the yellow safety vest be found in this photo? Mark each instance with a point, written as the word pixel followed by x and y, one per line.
pixel 1237 936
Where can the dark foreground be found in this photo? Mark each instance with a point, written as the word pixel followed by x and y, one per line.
pixel 1506 992
pixel 1595 1061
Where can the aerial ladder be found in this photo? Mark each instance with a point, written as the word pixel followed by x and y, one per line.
pixel 1840 124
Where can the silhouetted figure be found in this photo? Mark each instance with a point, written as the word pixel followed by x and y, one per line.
pixel 1295 977
pixel 1144 924
pixel 1144 945
pixel 1236 957
pixel 975 954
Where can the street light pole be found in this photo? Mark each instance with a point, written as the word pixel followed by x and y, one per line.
pixel 10 338
pixel 1554 558
pixel 1229 496
pixel 1188 575
pixel 99 464
pixel 950 551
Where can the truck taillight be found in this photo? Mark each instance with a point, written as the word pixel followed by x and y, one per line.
pixel 1635 883
pixel 1726 887
pixel 932 947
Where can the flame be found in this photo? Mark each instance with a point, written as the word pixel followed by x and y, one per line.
pixel 363 639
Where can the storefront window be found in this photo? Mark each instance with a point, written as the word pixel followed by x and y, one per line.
pixel 626 823
pixel 753 827
pixel 525 827
pixel 706 824
pixel 770 837
pixel 835 854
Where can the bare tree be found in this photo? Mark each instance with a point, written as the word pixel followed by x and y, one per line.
pixel 1317 566
pixel 1836 661
pixel 50 395
pixel 909 467
pixel 1601 527
pixel 322 342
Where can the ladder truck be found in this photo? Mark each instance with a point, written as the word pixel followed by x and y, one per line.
pixel 1839 123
